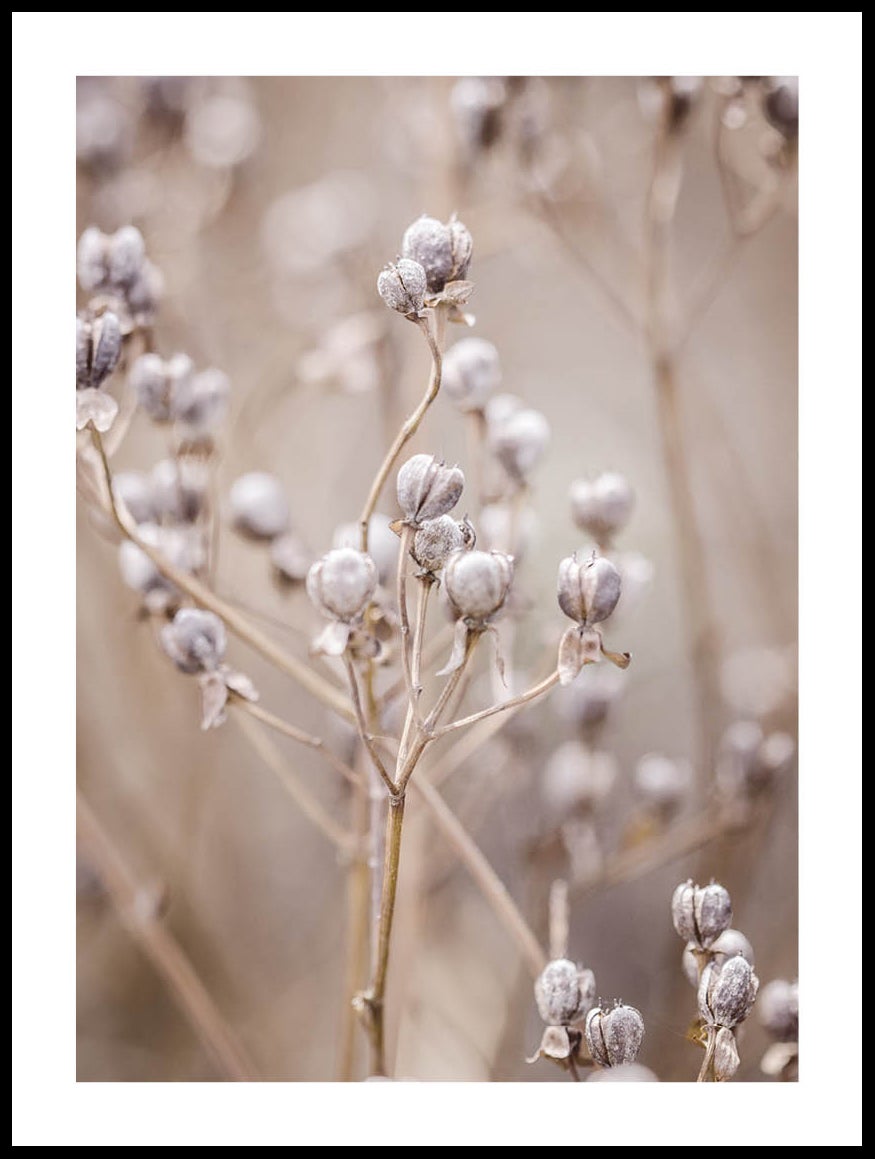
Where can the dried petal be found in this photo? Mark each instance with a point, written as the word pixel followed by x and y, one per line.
pixel 726 1060
pixel 95 407
pixel 214 699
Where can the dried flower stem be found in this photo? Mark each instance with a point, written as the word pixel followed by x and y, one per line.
pixel 661 204
pixel 515 702
pixel 296 734
pixel 411 424
pixel 490 884
pixel 706 1071
pixel 364 730
pixel 309 805
pixel 161 948
pixel 559 919
pixel 239 625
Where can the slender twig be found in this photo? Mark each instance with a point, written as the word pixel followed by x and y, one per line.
pixel 513 703
pixel 357 913
pixel 364 730
pixel 309 805
pixel 162 949
pixel 559 919
pixel 314 742
pixel 404 623
pixel 488 881
pixel 239 625
pixel 411 424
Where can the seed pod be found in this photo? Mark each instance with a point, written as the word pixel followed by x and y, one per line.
pixel 342 583
pixel 471 373
pixel 290 557
pixel 258 505
pixel 589 591
pixel 477 583
pixel 778 1007
pixel 402 287
pixel 436 540
pixel 476 103
pixel 91 259
pixel 383 543
pixel 661 783
pixel 519 442
pixel 144 295
pixel 428 488
pixel 430 243
pixel 728 945
pixel 177 545
pixel 614 1036
pixel 125 253
pixel 201 401
pixel 726 1060
pixel 157 383
pixel 564 992
pixel 98 348
pixel 781 105
pixel 700 914
pixel 462 247
pixel 195 640
pixel 179 489
pixel 601 506
pixel 134 490
pixel 727 992
pixel 577 780
pixel 627 1072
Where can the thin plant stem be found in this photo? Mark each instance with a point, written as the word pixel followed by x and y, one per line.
pixel 357 914
pixel 364 730
pixel 706 1070
pixel 404 622
pixel 515 702
pixel 376 995
pixel 559 919
pixel 239 625
pixel 490 884
pixel 411 423
pixel 309 805
pixel 314 742
pixel 161 948
pixel 475 431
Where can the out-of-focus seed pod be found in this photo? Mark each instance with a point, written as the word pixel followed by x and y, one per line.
pixel 564 992
pixel 435 541
pixel 588 591
pixel 177 545
pixel 577 780
pixel 476 104
pixel 519 442
pixel 157 383
pixel 195 640
pixel 701 914
pixel 662 784
pixel 614 1036
pixel 778 1009
pixel 730 943
pixel 341 583
pixel 781 105
pixel 98 349
pixel 477 583
pixel 222 130
pixel 179 489
pixel 402 286
pixel 471 373
pixel 726 1060
pixel 428 488
pixel 144 295
pixel 602 506
pixel 290 558
pixel 587 704
pixel 91 259
pixel 134 490
pixel 258 504
pixel 727 992
pixel 627 1072
pixel 462 248
pixel 383 543
pixel 126 252
pixel 201 401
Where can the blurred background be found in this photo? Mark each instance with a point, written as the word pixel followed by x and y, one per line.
pixel 269 206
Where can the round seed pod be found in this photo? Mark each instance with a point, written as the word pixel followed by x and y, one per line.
pixel 402 286
pixel 428 488
pixel 471 373
pixel 564 992
pixel 577 780
pixel 258 505
pixel 602 506
pixel 627 1072
pixel 661 783
pixel 519 442
pixel 778 1008
pixel 727 992
pixel 614 1036
pixel 342 583
pixel 477 583
pixel 134 490
pixel 290 558
pixel 700 914
pixel 195 640
pixel 179 489
pixel 201 401
pixel 730 943
pixel 383 543
pixel 588 591
pixel 436 540
pixel 442 249
pixel 125 254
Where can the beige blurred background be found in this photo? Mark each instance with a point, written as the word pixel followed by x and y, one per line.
pixel 255 278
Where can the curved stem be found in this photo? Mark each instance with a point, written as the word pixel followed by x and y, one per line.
pixel 364 731
pixel 515 702
pixel 239 625
pixel 411 424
